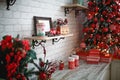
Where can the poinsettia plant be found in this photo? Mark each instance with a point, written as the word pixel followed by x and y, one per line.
pixel 15 54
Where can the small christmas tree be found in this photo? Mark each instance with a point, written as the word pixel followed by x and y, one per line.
pixel 102 28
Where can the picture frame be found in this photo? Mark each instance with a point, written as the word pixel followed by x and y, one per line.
pixel 42 22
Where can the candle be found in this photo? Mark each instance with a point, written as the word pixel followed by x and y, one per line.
pixel 71 63
pixel 61 65
pixel 76 60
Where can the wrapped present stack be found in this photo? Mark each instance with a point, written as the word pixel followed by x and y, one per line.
pixel 93 56
pixel 105 57
pixel 82 54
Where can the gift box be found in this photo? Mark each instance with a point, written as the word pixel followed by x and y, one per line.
pixel 82 55
pixel 93 56
pixel 106 58
pixel 94 52
pixel 93 59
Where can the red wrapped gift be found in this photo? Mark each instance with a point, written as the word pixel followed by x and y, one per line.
pixel 93 56
pixel 82 55
pixel 93 59
pixel 94 52
pixel 106 58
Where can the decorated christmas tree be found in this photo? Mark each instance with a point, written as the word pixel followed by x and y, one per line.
pixel 102 27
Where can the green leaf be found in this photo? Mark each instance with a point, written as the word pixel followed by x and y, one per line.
pixel 28 73
pixel 32 54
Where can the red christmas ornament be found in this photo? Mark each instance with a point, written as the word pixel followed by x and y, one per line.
pixel 42 76
pixel 97 26
pixel 107 2
pixel 104 12
pixel 82 45
pixel 96 9
pixel 91 35
pixel 95 20
pixel 101 19
pixel 98 36
pixel 114 13
pixel 86 29
pixel 116 40
pixel 89 16
pixel 101 44
pixel 108 20
pixel 90 3
pixel 112 27
pixel 114 7
pixel 105 29
pixel 110 15
pixel 93 25
pixel 108 35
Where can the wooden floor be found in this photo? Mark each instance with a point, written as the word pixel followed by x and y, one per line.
pixel 83 72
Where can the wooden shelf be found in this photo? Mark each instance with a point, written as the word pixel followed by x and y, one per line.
pixel 47 38
pixel 76 7
pixel 37 40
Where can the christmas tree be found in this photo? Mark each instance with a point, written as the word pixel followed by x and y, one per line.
pixel 102 28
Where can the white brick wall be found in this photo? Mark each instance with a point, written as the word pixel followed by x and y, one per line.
pixel 19 20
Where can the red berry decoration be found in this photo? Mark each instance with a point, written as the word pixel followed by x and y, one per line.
pixel 42 64
pixel 42 76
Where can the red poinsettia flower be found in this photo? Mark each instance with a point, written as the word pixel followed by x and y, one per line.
pixel 8 58
pixel 11 68
pixel 6 42
pixel 26 44
pixel 13 54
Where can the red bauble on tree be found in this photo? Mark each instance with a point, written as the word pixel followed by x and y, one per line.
pixel 90 4
pixel 105 29
pixel 104 12
pixel 95 20
pixel 112 27
pixel 93 25
pixel 101 19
